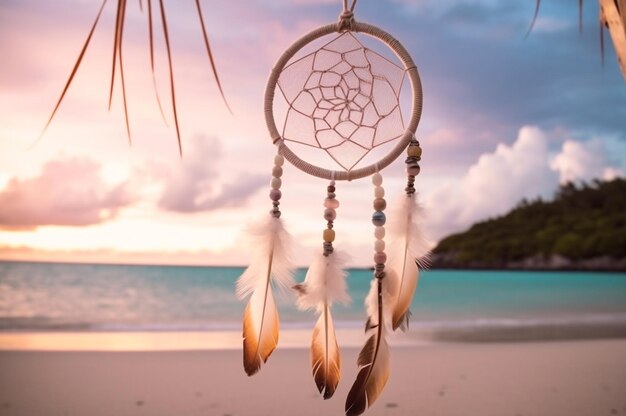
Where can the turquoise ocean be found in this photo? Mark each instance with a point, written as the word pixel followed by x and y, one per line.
pixel 49 297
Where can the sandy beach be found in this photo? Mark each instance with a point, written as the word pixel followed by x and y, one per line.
pixel 585 378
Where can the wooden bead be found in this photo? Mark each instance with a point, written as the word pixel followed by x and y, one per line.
pixel 275 194
pixel 329 235
pixel 330 214
pixel 413 170
pixel 379 192
pixel 415 151
pixel 277 172
pixel 380 258
pixel 378 218
pixel 331 203
pixel 279 160
pixel 377 179
pixel 380 204
pixel 276 183
pixel 379 246
pixel 379 233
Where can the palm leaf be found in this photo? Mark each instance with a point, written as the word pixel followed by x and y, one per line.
pixel 117 60
pixel 612 16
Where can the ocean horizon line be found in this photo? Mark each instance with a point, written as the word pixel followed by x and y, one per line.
pixel 140 264
pixel 305 267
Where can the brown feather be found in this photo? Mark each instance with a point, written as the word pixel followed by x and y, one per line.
pixel 373 364
pixel 407 288
pixel 325 358
pixel 259 341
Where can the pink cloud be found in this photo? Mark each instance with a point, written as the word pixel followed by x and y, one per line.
pixel 67 192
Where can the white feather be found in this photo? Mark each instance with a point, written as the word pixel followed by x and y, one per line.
pixel 405 230
pixel 389 290
pixel 325 282
pixel 408 249
pixel 270 264
pixel 271 243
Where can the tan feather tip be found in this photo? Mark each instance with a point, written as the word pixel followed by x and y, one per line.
pixel 251 363
pixel 401 321
pixel 326 390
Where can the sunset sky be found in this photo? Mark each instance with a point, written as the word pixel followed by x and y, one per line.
pixel 504 118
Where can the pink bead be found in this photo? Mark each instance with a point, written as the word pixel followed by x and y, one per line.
pixel 331 203
pixel 379 204
pixel 330 214
pixel 380 258
pixel 275 194
pixel 277 172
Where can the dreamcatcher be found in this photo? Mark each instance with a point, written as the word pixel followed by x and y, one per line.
pixel 342 101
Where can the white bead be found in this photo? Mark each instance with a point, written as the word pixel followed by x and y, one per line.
pixel 379 192
pixel 279 160
pixel 276 182
pixel 379 233
pixel 379 246
pixel 377 179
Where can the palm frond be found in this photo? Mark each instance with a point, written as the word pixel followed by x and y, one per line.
pixel 612 16
pixel 117 61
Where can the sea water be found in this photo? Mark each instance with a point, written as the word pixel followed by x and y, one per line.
pixel 97 297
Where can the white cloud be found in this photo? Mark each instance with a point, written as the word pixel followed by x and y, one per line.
pixel 500 179
pixel 582 161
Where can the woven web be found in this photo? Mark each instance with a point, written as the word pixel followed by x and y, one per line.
pixel 344 99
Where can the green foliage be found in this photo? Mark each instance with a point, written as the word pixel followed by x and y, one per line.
pixel 583 221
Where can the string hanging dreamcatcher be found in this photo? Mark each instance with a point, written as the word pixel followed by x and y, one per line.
pixel 342 106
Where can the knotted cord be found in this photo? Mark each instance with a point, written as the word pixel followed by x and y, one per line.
pixel 346 18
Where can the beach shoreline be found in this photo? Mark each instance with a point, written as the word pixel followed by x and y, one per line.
pixel 298 336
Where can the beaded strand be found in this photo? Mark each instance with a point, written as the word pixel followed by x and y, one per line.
pixel 275 194
pixel 379 219
pixel 414 153
pixel 330 213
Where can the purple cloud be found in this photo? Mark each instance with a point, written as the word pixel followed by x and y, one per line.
pixel 195 185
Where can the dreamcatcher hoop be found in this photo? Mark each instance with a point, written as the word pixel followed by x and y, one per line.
pixel 416 111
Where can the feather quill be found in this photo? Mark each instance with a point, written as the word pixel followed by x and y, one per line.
pixel 373 359
pixel 407 254
pixel 270 265
pixel 323 285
